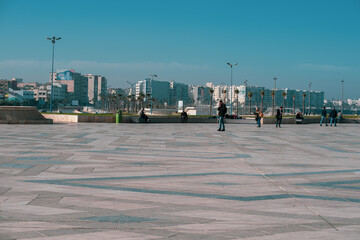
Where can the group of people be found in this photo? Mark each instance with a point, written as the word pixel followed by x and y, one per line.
pixel 222 110
pixel 334 115
pixel 259 115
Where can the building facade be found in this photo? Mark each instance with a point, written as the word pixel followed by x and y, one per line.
pixel 77 85
pixel 158 90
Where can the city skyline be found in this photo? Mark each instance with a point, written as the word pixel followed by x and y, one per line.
pixel 187 42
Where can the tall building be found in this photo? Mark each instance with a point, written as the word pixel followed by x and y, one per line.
pixel 77 85
pixel 5 85
pixel 92 88
pixel 102 88
pixel 155 89
pixel 179 92
pixel 201 95
pixel 316 97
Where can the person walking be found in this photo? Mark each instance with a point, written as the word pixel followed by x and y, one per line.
pixel 332 116
pixel 221 113
pixel 279 114
pixel 323 116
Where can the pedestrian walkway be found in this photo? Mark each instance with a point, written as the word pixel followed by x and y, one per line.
pixel 179 181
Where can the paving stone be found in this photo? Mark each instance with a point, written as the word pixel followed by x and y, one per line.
pixel 179 181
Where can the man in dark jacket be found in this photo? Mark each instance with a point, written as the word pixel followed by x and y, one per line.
pixel 332 116
pixel 222 111
pixel 279 114
pixel 323 116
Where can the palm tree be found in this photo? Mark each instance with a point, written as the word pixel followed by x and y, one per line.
pixel 141 99
pixel 119 97
pixel 103 100
pixel 129 105
pixel 224 92
pixel 113 100
pixel 304 95
pixel 273 101
pixel 154 100
pixel 237 101
pixel 133 100
pixel 147 99
pixel 211 91
pixel 262 94
pixel 284 96
pixel 250 94
pixel 294 103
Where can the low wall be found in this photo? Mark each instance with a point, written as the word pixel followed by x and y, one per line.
pixel 21 115
pixel 96 118
pixel 65 118
pixel 291 120
pixel 62 118
pixel 308 120
pixel 158 119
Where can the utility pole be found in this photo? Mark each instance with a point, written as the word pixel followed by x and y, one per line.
pixel 53 41
pixel 231 67
pixel 342 96
pixel 151 83
pixel 309 98
pixel 275 78
pixel 245 83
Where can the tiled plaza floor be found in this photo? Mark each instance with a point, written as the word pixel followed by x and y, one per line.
pixel 179 181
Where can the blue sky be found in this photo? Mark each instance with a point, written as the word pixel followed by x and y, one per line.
pixel 187 41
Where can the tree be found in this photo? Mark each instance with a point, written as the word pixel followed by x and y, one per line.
pixel 141 98
pixel 224 92
pixel 103 96
pixel 119 98
pixel 284 96
pixel 147 99
pixel 154 100
pixel 273 101
pixel 237 101
pixel 211 91
pixel 304 95
pixel 133 100
pixel 294 104
pixel 262 94
pixel 250 94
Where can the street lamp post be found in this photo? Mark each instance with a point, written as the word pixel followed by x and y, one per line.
pixel 231 66
pixel 132 89
pixel 342 96
pixel 275 78
pixel 53 40
pixel 309 98
pixel 151 94
pixel 245 83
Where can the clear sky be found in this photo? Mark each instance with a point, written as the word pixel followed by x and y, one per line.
pixel 187 41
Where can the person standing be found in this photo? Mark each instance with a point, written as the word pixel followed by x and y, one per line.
pixel 221 113
pixel 332 116
pixel 323 116
pixel 258 116
pixel 279 114
pixel 340 116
